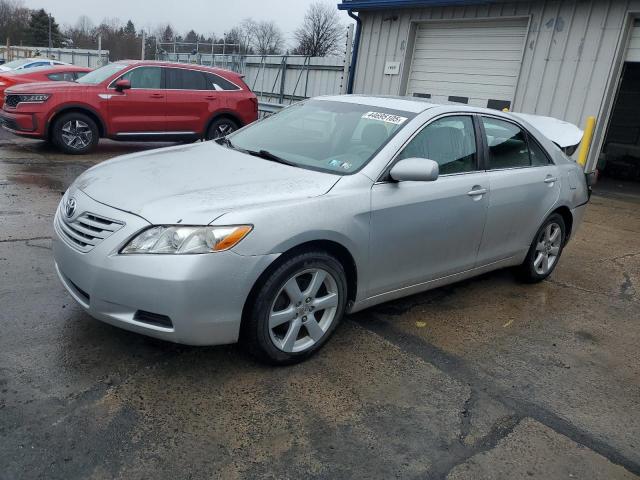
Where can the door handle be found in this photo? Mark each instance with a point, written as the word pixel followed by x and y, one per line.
pixel 210 97
pixel 550 179
pixel 477 191
pixel 156 95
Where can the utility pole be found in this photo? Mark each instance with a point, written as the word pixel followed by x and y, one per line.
pixel 144 43
pixel 50 39
pixel 99 50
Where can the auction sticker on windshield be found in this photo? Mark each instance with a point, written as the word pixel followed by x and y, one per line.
pixel 385 117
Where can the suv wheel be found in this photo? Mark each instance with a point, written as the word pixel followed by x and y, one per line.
pixel 75 133
pixel 220 128
pixel 545 250
pixel 296 309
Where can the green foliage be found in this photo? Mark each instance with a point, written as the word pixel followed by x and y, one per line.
pixel 38 30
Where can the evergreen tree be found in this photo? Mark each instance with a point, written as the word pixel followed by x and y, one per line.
pixel 38 30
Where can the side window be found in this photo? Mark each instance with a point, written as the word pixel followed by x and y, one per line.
pixel 507 144
pixel 61 76
pixel 144 77
pixel 37 64
pixel 450 141
pixel 183 79
pixel 79 74
pixel 216 82
pixel 538 157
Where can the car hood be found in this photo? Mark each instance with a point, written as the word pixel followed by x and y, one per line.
pixel 195 184
pixel 43 87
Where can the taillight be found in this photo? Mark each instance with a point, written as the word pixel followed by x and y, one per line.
pixel 254 100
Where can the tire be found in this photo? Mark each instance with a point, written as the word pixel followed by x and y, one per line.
pixel 544 253
pixel 75 133
pixel 281 331
pixel 220 128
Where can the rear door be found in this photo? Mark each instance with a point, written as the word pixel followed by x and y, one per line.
pixel 421 231
pixel 142 108
pixel 191 100
pixel 525 186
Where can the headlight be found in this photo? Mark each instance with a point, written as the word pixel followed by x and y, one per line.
pixel 184 240
pixel 33 98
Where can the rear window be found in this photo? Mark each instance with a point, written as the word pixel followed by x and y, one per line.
pixel 183 79
pixel 216 82
pixel 62 76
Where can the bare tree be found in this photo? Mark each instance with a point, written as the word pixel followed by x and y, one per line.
pixel 321 31
pixel 266 38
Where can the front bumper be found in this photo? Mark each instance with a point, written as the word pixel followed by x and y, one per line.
pixel 203 295
pixel 25 124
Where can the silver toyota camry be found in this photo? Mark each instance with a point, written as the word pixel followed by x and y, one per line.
pixel 335 204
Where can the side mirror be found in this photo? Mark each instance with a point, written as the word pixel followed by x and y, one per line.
pixel 415 170
pixel 122 85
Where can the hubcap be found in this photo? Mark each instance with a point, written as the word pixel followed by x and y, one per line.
pixel 547 249
pixel 303 310
pixel 76 134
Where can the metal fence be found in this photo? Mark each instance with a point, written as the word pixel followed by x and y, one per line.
pixel 280 79
pixel 75 56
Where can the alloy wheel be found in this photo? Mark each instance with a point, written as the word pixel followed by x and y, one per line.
pixel 303 311
pixel 547 248
pixel 76 134
pixel 222 130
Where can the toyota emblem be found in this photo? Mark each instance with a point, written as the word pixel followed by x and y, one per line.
pixel 70 207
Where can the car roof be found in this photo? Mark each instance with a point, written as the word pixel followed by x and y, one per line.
pixel 50 68
pixel 408 104
pixel 163 63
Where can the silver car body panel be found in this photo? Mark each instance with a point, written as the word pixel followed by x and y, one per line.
pixel 403 237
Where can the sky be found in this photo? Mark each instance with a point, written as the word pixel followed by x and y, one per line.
pixel 203 16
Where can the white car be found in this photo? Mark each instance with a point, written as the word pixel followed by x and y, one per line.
pixel 24 63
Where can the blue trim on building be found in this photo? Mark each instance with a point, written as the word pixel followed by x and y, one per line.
pixel 375 4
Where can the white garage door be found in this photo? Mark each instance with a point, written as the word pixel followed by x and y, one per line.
pixel 633 53
pixel 474 62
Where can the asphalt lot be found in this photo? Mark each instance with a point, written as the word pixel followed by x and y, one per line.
pixel 486 379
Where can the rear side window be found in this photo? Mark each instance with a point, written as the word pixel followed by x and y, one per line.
pixel 538 157
pixel 507 144
pixel 80 74
pixel 216 82
pixel 183 79
pixel 450 141
pixel 144 77
pixel 38 64
pixel 62 76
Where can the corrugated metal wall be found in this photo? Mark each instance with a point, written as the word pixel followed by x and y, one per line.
pixel 568 57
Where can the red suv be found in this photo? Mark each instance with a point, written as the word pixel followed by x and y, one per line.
pixel 131 100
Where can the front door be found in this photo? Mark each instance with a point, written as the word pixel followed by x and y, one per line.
pixel 525 185
pixel 422 231
pixel 142 108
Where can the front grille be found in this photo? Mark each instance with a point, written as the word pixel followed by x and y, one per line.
pixel 87 230
pixel 12 101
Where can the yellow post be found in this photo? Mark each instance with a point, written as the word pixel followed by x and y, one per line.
pixel 585 145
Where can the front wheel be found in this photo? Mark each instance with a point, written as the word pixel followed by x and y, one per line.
pixel 75 133
pixel 296 309
pixel 220 128
pixel 545 250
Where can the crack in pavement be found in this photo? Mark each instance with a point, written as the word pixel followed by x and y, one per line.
pixel 463 371
pixel 629 298
pixel 11 240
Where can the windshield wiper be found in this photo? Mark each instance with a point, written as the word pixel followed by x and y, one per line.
pixel 225 141
pixel 267 155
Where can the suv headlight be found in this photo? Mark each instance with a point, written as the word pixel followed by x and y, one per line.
pixel 178 239
pixel 33 98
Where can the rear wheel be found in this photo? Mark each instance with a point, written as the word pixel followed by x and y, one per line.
pixel 75 133
pixel 220 128
pixel 296 309
pixel 545 250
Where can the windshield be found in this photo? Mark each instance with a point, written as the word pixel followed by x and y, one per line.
pixel 101 74
pixel 337 137
pixel 17 63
